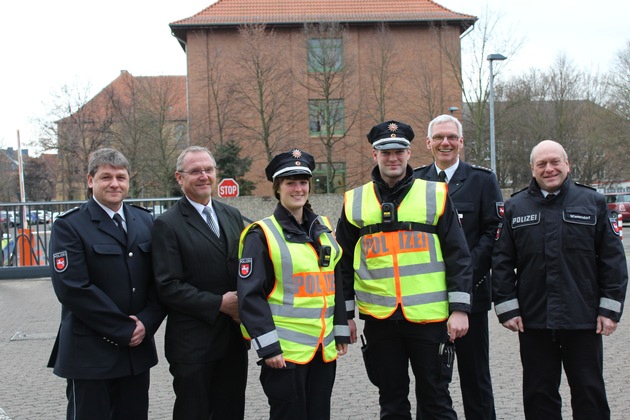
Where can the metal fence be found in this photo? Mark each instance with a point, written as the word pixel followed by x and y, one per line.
pixel 25 229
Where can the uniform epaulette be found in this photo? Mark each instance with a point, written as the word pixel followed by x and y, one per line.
pixel 141 208
pixel 67 212
pixel 585 186
pixel 483 168
pixel 421 167
pixel 518 192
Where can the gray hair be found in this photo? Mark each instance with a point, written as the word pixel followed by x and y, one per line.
pixel 445 119
pixel 192 149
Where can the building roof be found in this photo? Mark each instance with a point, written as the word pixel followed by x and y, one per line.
pixel 291 12
pixel 158 86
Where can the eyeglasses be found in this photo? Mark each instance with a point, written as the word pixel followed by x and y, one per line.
pixel 199 172
pixel 450 137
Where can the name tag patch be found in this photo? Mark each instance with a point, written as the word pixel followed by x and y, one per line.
pixel 579 218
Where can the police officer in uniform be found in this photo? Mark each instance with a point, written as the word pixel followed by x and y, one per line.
pixel 476 195
pixel 559 279
pixel 407 266
pixel 102 275
pixel 289 302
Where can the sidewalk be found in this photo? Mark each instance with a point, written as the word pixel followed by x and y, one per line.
pixel 29 317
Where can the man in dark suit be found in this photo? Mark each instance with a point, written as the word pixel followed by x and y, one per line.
pixel 195 258
pixel 477 197
pixel 102 275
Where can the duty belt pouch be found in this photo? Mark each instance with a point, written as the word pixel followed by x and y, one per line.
pixel 370 363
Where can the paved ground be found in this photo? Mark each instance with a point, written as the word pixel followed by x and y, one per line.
pixel 29 316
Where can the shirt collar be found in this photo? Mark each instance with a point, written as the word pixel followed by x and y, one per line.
pixel 111 212
pixel 199 207
pixel 450 171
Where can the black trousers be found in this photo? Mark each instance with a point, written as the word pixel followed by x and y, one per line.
pixel 213 390
pixel 392 344
pixel 109 399
pixel 299 391
pixel 580 352
pixel 473 365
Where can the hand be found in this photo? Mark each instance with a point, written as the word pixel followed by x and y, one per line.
pixel 342 348
pixel 138 334
pixel 457 325
pixel 353 331
pixel 515 324
pixel 276 362
pixel 229 305
pixel 605 326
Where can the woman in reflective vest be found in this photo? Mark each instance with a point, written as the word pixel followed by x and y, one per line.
pixel 398 259
pixel 289 303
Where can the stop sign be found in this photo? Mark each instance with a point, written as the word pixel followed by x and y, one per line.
pixel 228 188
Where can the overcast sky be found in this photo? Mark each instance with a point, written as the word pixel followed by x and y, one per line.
pixel 46 44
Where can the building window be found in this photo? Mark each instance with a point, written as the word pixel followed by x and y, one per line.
pixel 326 117
pixel 333 181
pixel 324 55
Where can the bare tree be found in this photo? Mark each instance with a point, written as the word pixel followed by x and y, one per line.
pixel 331 88
pixel 39 179
pixel 266 109
pixel 384 72
pixel 487 36
pixel 219 99
pixel 75 128
pixel 562 104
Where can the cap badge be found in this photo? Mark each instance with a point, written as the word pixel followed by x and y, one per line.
pixel 392 127
pixel 296 153
pixel 298 163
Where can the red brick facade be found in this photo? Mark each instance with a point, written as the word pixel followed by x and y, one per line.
pixel 421 44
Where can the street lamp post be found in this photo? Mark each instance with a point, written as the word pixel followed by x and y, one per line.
pixel 493 157
pixel 452 109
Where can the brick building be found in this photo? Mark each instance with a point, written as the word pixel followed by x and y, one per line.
pixel 318 74
pixel 142 116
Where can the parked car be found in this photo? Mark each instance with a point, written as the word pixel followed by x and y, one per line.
pixel 619 203
pixel 8 218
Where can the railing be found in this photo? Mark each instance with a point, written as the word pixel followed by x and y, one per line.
pixel 26 233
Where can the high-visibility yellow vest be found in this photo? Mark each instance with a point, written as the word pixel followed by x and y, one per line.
pixel 404 266
pixel 303 299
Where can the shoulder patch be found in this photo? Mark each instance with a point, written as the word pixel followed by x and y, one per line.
pixel 60 261
pixel 500 208
pixel 614 224
pixel 483 168
pixel 67 212
pixel 245 267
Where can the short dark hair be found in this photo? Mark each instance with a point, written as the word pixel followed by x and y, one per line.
pixel 107 156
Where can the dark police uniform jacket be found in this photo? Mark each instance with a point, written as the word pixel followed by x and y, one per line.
pixel 477 197
pixel 569 260
pixel 101 279
pixel 254 310
pixel 454 249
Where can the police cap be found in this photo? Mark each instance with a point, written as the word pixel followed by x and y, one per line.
pixel 294 162
pixel 390 135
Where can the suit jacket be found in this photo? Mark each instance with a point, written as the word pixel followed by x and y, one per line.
pixel 478 200
pixel 101 279
pixel 193 269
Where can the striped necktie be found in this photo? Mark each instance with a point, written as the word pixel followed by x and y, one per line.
pixel 211 222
